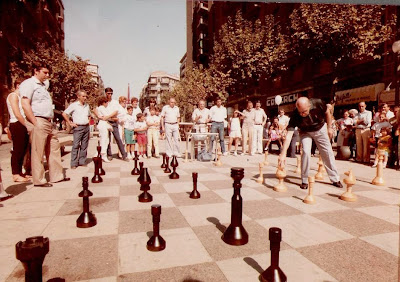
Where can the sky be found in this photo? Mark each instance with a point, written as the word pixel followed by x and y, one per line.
pixel 128 39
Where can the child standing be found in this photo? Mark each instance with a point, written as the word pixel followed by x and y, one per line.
pixel 140 128
pixel 130 137
pixel 153 132
pixel 235 132
pixel 384 143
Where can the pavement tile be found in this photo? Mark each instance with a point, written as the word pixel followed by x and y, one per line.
pixel 134 189
pixel 321 204
pixel 360 203
pixel 388 242
pixel 29 210
pixel 217 184
pixel 38 194
pixel 7 261
pixel 382 196
pixel 179 251
pixel 388 213
pixel 248 194
pixel 206 197
pixel 127 203
pixel 96 205
pixel 183 187
pixel 305 230
pixel 366 262
pixel 267 209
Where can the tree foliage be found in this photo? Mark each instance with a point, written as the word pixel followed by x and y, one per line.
pixel 67 75
pixel 338 32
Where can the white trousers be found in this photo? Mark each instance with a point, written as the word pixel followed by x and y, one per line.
pixel 172 138
pixel 104 135
pixel 247 134
pixel 325 149
pixel 152 137
pixel 257 139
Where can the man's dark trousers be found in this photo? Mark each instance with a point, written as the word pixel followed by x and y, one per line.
pixel 121 148
pixel 80 145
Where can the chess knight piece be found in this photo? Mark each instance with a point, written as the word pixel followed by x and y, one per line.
pixel 164 164
pixel 194 194
pixel 145 197
pixel 167 170
pixel 87 218
pixel 135 170
pixel 378 180
pixel 218 162
pixel 309 199
pixel 98 148
pixel 280 174
pixel 274 273
pixel 156 242
pixel 260 179
pixel 266 158
pixel 321 168
pixel 97 178
pixel 235 234
pixel 174 165
pixel 348 196
pixel 298 168
pixel 31 253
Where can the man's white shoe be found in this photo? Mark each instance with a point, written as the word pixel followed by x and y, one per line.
pixel 234 153
pixel 225 153
pixel 242 154
pixel 129 156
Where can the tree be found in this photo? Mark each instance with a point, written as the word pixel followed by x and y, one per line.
pixel 67 75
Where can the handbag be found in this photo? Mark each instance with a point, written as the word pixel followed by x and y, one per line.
pixel 204 156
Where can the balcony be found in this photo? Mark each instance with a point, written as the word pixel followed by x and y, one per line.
pixel 202 23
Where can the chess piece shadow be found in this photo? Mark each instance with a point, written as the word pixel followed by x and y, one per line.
pixel 56 279
pixel 217 223
pixel 254 264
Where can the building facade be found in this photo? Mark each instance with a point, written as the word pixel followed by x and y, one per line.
pixel 23 23
pixel 159 82
pixel 93 69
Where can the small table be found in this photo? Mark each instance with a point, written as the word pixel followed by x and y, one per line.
pixel 190 135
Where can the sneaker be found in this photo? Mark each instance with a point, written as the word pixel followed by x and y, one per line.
pixel 337 184
pixel 235 153
pixel 129 156
pixel 303 186
pixel 225 154
pixel 242 154
pixel 106 159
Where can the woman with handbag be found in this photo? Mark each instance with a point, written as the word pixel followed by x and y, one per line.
pixel 104 126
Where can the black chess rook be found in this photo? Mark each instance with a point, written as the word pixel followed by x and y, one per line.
pixel 235 234
pixel 87 218
pixel 194 194
pixel 156 242
pixel 135 170
pixel 174 165
pixel 145 197
pixel 274 273
pixel 102 171
pixel 167 170
pixel 31 253
pixel 164 164
pixel 97 178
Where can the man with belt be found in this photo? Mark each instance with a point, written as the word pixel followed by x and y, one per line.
pixel 38 108
pixel 260 119
pixel 218 114
pixel 200 117
pixel 80 112
pixel 170 117
pixel 311 117
pixel 247 128
pixel 363 124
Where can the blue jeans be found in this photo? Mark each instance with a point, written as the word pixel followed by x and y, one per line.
pixel 218 127
pixel 80 145
pixel 121 148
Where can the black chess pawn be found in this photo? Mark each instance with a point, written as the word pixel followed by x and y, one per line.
pixel 136 157
pixel 174 164
pixel 87 218
pixel 164 164
pixel 31 253
pixel 274 273
pixel 167 170
pixel 194 194
pixel 156 242
pixel 102 171
pixel 145 197
pixel 135 170
pixel 235 234
pixel 97 178
pixel 139 179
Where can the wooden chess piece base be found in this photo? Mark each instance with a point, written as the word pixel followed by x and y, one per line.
pixel 145 197
pixel 309 199
pixel 266 158
pixel 86 220
pixel 348 196
pixel 156 244
pixel 260 179
pixel 280 187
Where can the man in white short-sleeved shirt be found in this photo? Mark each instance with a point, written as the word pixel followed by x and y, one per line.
pixel 38 108
pixel 218 114
pixel 260 119
pixel 80 112
pixel 170 118
pixel 283 119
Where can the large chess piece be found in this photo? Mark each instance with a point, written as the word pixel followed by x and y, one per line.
pixel 194 194
pixel 274 273
pixel 260 179
pixel 87 218
pixel 348 196
pixel 235 234
pixel 174 164
pixel 298 168
pixel 266 158
pixel 167 170
pixel 378 180
pixel 280 174
pixel 218 162
pixel 145 197
pixel 156 242
pixel 102 171
pixel 31 253
pixel 309 199
pixel 139 179
pixel 135 170
pixel 164 164
pixel 97 178
pixel 320 173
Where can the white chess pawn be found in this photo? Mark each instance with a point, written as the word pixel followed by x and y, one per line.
pixel 280 174
pixel 260 179
pixel 309 199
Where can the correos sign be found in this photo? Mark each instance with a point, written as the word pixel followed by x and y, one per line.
pixel 288 98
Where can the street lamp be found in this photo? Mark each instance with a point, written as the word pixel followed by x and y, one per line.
pixel 396 51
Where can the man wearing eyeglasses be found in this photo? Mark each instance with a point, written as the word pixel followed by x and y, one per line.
pixel 311 117
pixel 363 124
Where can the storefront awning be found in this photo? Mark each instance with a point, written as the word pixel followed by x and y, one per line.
pixel 357 95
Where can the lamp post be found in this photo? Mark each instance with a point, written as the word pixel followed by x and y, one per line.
pixel 396 51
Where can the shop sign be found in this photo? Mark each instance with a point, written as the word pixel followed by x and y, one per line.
pixel 357 95
pixel 288 98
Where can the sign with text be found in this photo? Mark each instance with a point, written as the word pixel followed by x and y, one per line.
pixel 288 98
pixel 357 95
